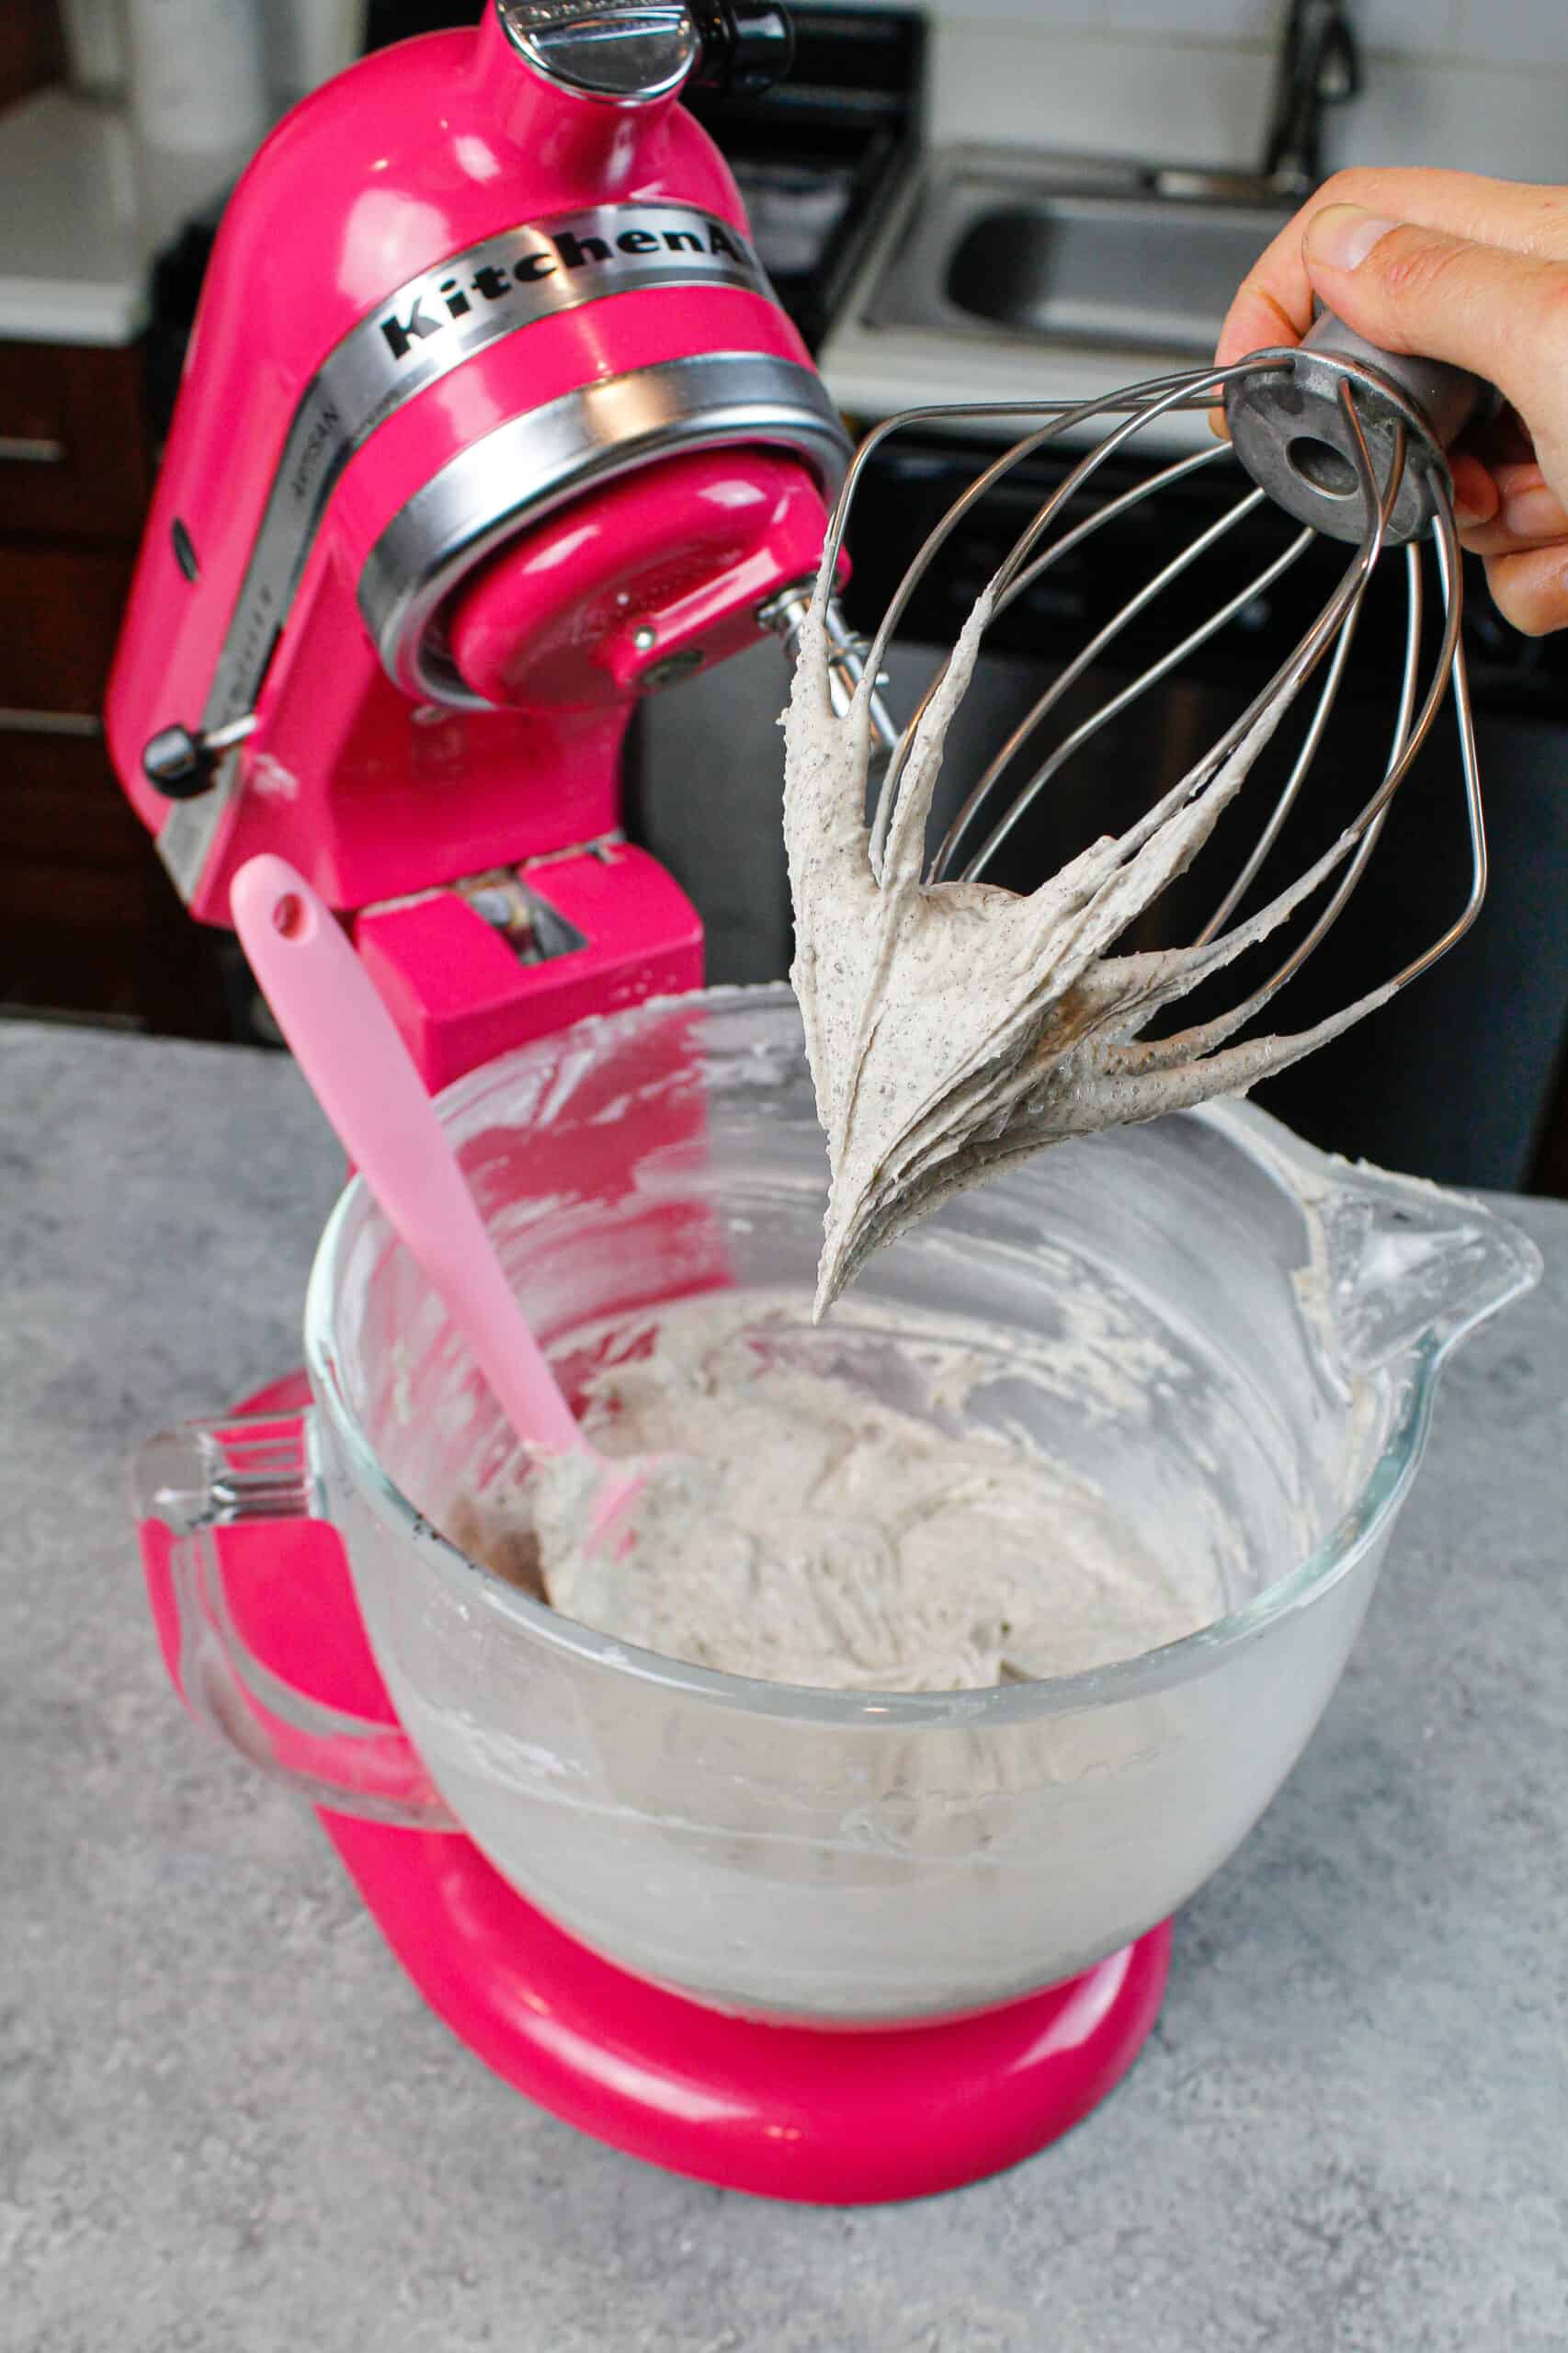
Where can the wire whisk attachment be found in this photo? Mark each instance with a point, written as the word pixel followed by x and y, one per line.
pixel 1350 443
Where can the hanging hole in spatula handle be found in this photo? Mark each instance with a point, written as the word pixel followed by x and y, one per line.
pixel 1291 430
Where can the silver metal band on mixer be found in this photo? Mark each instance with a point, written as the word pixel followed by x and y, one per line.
pixel 533 463
pixel 418 333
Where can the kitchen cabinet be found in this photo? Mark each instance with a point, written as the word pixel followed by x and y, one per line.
pixel 90 926
pixel 32 47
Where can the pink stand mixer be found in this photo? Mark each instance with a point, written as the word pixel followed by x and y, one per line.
pixel 490 426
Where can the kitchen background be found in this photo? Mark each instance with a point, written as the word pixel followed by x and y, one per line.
pixel 112 180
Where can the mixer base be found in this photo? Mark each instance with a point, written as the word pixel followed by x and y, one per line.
pixel 835 2117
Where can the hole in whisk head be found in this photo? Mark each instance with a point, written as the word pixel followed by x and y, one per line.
pixel 1327 468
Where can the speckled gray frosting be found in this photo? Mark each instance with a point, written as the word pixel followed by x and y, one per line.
pixel 954 1027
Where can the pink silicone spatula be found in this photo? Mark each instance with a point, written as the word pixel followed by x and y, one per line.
pixel 360 1073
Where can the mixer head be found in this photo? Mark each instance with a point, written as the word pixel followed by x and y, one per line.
pixel 1349 442
pixel 492 425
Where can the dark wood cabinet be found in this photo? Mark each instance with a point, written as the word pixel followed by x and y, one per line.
pixel 90 926
pixel 74 459
pixel 60 611
pixel 32 47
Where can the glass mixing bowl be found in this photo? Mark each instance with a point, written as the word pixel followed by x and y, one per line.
pixel 1234 1337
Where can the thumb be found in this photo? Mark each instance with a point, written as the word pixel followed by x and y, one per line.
pixel 1480 307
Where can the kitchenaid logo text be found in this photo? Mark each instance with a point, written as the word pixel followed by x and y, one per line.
pixel 569 255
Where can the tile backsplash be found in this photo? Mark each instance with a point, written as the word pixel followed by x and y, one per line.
pixel 1480 85
pixel 1513 32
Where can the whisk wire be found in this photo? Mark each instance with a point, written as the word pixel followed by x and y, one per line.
pixel 1446 541
pixel 1119 702
pixel 1164 393
pixel 1285 684
pixel 1018 583
pixel 1045 703
pixel 1108 513
pixel 1383 485
pixel 1379 507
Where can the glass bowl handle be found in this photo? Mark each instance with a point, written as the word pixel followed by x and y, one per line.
pixel 256 1470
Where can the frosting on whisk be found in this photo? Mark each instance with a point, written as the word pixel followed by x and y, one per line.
pixel 954 1027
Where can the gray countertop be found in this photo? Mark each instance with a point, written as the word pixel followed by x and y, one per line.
pixel 227 2121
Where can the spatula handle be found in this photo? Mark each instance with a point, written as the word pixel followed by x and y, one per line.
pixel 344 1040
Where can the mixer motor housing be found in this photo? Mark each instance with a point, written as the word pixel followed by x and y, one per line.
pixel 490 425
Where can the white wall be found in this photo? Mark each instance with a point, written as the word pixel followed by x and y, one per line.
pixel 306 41
pixel 1481 85
pixel 1527 32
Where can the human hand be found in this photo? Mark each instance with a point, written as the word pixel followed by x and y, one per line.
pixel 1472 271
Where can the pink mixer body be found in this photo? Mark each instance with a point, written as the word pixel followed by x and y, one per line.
pixel 495 430
pixel 491 425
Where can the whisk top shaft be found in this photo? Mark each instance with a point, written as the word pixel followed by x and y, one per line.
pixel 1350 442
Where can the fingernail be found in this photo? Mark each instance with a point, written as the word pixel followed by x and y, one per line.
pixel 1343 235
pixel 1533 515
pixel 1466 517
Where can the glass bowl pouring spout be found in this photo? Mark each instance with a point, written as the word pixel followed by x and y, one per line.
pixel 1408 1268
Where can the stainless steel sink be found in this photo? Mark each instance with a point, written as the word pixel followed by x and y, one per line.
pixel 1106 254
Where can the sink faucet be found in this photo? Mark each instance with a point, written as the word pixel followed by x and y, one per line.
pixel 1320 65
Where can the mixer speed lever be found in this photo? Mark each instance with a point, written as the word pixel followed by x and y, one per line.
pixel 182 764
